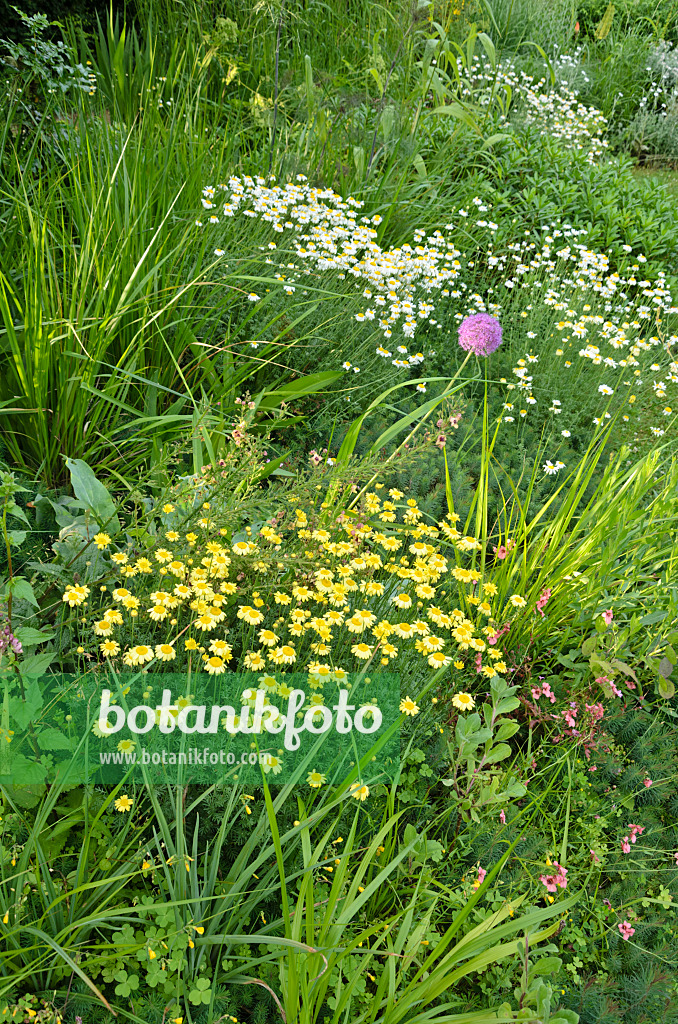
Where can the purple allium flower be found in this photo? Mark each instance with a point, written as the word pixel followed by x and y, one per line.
pixel 480 333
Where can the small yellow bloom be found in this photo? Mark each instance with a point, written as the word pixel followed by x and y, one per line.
pixel 123 803
pixel 360 791
pixel 463 701
pixel 408 707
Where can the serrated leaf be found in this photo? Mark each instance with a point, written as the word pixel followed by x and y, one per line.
pixel 623 667
pixel 21 590
pixel 30 637
pixel 26 796
pixel 53 739
pixel 22 712
pixel 35 665
pixel 600 665
pixel 25 775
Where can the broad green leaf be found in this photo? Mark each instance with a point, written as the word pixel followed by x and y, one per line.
pixel 21 590
pixel 666 688
pixel 22 712
pixel 498 753
pixel 507 704
pixel 53 739
pixel 25 773
pixel 30 637
pixel 92 493
pixel 35 665
pixel 589 646
pixel 665 667
pixel 623 667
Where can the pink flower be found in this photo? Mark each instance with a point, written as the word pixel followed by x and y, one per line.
pixel 502 818
pixel 543 600
pixel 480 334
pixel 608 616
pixel 647 783
pixel 626 931
pixel 675 857
pixel 569 716
pixel 496 637
pixel 625 845
pixel 480 879
pixel 558 880
pixel 630 685
pixel 500 552
pixel 594 856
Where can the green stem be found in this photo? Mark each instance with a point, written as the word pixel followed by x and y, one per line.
pixel 9 562
pixel 409 436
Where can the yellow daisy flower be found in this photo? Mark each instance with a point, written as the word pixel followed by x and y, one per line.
pixel 463 701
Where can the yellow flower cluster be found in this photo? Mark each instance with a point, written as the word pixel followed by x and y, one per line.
pixel 314 593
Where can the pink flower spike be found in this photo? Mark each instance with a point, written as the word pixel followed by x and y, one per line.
pixel 625 930
pixel 626 846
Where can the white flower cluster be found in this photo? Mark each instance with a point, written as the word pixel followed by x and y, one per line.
pixel 572 295
pixel 556 112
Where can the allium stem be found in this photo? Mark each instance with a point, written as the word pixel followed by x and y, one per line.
pixel 411 433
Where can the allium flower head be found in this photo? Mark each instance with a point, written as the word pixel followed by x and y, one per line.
pixel 480 334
